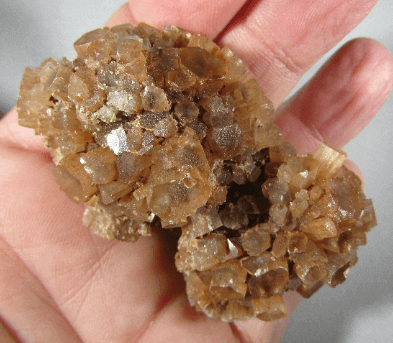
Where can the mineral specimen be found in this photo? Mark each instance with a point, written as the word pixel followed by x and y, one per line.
pixel 163 129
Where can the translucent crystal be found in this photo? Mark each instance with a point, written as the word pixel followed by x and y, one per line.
pixel 161 129
pixel 256 240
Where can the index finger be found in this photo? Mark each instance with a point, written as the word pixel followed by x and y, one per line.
pixel 205 17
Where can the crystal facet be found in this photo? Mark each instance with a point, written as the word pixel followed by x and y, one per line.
pixel 163 129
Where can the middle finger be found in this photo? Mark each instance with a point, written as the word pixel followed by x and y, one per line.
pixel 281 40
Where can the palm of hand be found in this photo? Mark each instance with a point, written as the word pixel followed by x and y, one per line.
pixel 60 283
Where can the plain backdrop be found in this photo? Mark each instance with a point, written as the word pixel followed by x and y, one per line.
pixel 360 310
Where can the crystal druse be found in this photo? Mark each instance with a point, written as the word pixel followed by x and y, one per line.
pixel 161 129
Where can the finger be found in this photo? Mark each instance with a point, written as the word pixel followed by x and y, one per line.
pixel 206 17
pixel 26 306
pixel 179 322
pixel 341 99
pixel 280 40
pixel 122 15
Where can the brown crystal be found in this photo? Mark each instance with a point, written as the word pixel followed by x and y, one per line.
pixel 163 129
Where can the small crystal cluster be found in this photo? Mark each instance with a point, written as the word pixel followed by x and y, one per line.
pixel 163 129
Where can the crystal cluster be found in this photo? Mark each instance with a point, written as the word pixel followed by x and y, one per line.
pixel 163 129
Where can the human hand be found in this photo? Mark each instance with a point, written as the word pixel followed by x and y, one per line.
pixel 65 284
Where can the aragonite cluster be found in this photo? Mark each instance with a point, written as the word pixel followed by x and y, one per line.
pixel 161 129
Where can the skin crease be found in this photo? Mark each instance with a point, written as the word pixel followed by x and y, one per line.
pixel 64 284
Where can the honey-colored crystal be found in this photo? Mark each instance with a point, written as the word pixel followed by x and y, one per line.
pixel 161 129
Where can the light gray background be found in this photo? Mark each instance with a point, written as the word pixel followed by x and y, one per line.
pixel 360 310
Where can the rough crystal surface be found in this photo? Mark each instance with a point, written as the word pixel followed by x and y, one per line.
pixel 162 129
